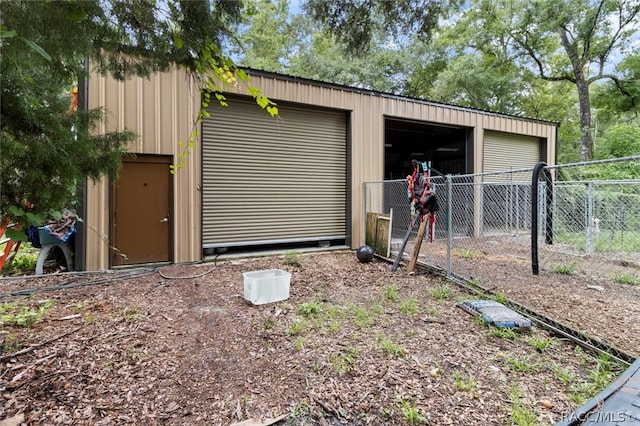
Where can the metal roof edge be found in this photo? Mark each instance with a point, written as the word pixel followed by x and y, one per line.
pixel 370 92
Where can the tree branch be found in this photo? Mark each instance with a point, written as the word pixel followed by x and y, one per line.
pixel 590 32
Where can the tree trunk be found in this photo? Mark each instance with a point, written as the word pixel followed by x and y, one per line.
pixel 578 65
pixel 586 139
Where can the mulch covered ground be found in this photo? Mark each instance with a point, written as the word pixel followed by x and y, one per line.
pixel 353 344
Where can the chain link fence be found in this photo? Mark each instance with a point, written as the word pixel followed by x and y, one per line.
pixel 587 245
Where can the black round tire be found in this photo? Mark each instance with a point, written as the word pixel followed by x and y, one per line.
pixel 365 254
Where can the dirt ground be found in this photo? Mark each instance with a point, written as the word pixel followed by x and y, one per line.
pixel 353 344
pixel 586 298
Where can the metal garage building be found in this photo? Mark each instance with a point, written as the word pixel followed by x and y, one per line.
pixel 253 181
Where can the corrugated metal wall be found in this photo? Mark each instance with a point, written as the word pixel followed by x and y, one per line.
pixel 161 110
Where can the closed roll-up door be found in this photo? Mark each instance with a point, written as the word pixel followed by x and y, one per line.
pixel 505 151
pixel 272 181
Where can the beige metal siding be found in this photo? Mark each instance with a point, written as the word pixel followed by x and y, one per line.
pixel 161 110
pixel 506 151
pixel 269 181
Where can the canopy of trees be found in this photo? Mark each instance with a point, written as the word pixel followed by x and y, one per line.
pixel 572 61
pixel 48 146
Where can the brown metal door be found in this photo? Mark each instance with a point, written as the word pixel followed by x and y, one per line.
pixel 141 220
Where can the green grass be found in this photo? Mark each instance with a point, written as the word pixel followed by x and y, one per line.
pixel 520 414
pixel 582 388
pixel 23 314
pixel 467 254
pixel 390 348
pixel 500 298
pixel 308 309
pixel 606 242
pixel 23 263
pixel 410 306
pixel 503 333
pixel 565 375
pixel 541 344
pixel 132 313
pixel 464 382
pixel 391 293
pixel 441 293
pixel 630 279
pixel 411 413
pixel 363 316
pixel 296 328
pixel 565 269
pixel 344 361
pixel 521 365
pixel 292 257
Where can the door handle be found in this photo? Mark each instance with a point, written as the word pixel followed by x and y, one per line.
pixel 164 219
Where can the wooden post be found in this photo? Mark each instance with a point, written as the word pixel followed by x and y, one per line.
pixel 416 246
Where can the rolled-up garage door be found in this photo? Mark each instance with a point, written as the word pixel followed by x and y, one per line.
pixel 271 181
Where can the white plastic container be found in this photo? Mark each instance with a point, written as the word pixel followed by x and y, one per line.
pixel 266 286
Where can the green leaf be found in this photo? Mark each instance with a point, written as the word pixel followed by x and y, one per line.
pixel 16 235
pixel 35 219
pixel 16 211
pixel 37 49
pixel 273 110
pixel 8 34
pixel 262 101
pixel 253 91
pixel 178 41
pixel 57 215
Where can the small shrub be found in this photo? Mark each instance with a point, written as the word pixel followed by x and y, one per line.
pixel 24 263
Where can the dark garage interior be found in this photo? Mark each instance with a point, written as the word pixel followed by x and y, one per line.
pixel 448 148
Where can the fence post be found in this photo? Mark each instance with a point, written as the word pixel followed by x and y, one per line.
pixel 509 197
pixel 365 203
pixel 449 230
pixel 517 232
pixel 589 224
